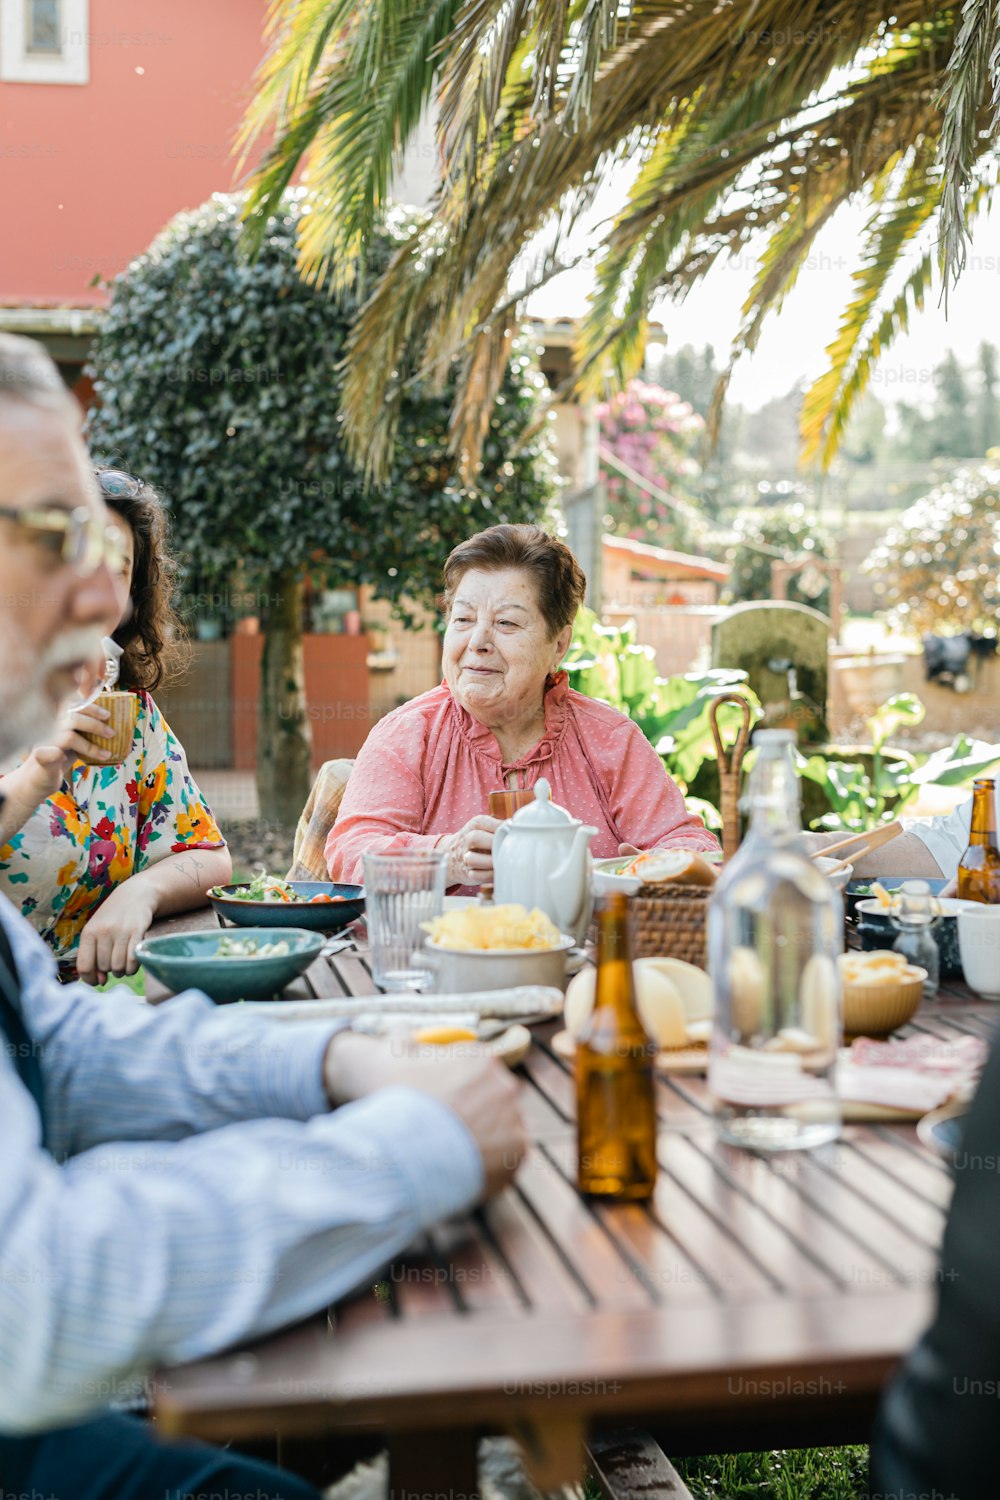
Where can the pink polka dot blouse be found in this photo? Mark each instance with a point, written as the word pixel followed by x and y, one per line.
pixel 429 766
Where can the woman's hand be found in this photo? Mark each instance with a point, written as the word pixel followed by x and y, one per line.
pixel 470 852
pixel 41 773
pixel 73 725
pixel 108 941
pixel 628 849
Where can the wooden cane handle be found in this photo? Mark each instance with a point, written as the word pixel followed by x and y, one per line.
pixel 730 761
pixel 730 764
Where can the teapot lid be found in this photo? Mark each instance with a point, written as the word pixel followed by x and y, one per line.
pixel 543 812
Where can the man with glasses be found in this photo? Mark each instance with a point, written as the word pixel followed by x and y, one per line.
pixel 172 1180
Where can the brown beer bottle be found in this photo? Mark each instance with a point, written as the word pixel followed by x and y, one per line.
pixel 979 867
pixel 615 1108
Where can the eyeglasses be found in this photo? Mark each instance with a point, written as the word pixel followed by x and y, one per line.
pixel 80 538
pixel 116 483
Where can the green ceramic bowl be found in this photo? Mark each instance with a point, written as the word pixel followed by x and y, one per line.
pixel 191 961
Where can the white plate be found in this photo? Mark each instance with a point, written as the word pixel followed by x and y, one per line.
pixel 950 906
pixel 606 879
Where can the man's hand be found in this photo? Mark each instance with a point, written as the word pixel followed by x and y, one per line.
pixel 471 1082
pixel 107 943
pixel 470 852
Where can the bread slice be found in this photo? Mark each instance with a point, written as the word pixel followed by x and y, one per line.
pixel 672 867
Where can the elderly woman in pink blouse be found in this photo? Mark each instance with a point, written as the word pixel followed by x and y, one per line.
pixel 504 716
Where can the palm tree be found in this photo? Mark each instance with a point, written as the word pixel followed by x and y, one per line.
pixel 753 122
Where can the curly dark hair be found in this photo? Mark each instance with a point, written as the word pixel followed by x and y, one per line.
pixel 151 636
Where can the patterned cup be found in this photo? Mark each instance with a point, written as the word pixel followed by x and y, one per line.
pixel 124 709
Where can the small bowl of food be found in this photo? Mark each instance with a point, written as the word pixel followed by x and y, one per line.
pixel 877 930
pixel 255 964
pixel 881 992
pixel 839 875
pixel 267 901
pixel 496 948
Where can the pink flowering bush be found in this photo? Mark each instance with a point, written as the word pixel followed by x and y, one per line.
pixel 652 432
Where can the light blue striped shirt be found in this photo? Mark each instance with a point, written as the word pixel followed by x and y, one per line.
pixel 199 1190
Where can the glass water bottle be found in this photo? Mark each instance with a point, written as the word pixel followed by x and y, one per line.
pixel 775 931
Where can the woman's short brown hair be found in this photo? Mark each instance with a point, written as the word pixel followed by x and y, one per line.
pixel 560 582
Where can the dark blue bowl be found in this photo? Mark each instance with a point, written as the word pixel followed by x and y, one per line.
pixel 323 917
pixel 875 930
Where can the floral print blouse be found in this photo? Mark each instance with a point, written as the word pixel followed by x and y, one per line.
pixel 104 824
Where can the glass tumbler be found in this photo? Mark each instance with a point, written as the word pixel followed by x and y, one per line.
pixel 401 892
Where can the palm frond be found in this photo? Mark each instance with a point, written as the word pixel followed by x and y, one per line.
pixel 759 116
pixel 887 234
pixel 830 401
pixel 685 180
pixel 972 79
pixel 481 49
pixel 351 125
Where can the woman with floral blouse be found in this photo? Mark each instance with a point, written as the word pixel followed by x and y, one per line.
pixel 92 855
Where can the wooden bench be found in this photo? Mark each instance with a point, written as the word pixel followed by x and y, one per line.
pixel 630 1465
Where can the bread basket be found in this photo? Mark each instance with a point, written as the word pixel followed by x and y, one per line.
pixel 670 920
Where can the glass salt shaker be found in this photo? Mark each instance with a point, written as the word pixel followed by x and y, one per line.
pixel 915 913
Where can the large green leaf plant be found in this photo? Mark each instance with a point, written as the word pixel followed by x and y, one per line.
pixel 606 662
pixel 866 792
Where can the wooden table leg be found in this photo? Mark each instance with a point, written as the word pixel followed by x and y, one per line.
pixel 433 1466
pixel 552 1451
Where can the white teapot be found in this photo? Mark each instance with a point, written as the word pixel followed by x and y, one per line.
pixel 541 858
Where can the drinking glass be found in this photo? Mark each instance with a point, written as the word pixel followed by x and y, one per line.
pixel 401 892
pixel 505 804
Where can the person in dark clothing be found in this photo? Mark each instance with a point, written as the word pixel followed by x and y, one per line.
pixel 938 1425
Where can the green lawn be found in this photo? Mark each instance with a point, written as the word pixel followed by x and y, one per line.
pixel 799 1474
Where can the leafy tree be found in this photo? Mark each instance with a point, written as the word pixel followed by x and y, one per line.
pixel 938 568
pixel 606 662
pixel 952 425
pixel 762 534
pixel 219 380
pixel 650 432
pixel 865 436
pixel 987 418
pixel 692 372
pixel 748 129
pixel 963 420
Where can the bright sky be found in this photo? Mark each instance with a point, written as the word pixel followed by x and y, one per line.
pixel 793 343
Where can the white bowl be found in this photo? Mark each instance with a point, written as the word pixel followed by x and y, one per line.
pixel 463 969
pixel 840 877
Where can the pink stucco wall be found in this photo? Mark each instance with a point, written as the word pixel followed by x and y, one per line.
pixel 89 173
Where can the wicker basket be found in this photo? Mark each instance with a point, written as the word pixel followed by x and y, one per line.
pixel 668 921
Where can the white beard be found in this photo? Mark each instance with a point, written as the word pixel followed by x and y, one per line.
pixel 27 714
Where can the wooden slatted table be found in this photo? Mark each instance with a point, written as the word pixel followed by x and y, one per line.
pixel 756 1302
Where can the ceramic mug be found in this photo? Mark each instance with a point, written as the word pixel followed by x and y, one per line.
pixel 979 941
